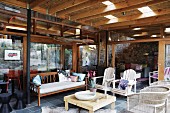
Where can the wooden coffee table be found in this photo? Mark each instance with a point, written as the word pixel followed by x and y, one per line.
pixel 92 105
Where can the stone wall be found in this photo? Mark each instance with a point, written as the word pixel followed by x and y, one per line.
pixel 137 53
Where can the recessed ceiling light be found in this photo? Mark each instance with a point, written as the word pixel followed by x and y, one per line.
pixel 167 30
pixel 110 16
pixel 137 28
pixel 107 3
pixel 155 36
pixel 137 35
pixel 147 11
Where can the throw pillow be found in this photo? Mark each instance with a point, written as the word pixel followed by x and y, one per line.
pixel 81 76
pixel 123 84
pixel 37 80
pixel 67 72
pixel 62 78
pixel 74 78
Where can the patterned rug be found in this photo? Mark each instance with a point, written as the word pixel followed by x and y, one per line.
pixel 73 110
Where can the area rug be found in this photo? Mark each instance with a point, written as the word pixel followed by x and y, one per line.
pixel 73 110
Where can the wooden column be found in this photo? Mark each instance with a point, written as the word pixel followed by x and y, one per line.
pixel 24 62
pixel 74 57
pixel 98 60
pixel 106 47
pixel 62 55
pixel 113 55
pixel 161 60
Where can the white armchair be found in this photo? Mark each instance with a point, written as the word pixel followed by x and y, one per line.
pixel 108 79
pixel 154 75
pixel 149 100
pixel 130 76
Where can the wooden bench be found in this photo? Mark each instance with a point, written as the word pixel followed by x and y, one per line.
pixel 50 85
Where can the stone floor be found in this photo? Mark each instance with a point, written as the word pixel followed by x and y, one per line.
pixel 56 100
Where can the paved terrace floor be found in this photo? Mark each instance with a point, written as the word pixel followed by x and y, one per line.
pixel 56 100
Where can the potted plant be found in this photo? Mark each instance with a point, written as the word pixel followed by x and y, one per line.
pixel 91 82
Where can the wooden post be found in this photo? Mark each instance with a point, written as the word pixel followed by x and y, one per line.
pixel 161 60
pixel 24 61
pixel 62 55
pixel 74 57
pixel 98 60
pixel 106 48
pixel 113 55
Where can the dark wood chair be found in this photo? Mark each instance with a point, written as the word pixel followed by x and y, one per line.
pixel 14 75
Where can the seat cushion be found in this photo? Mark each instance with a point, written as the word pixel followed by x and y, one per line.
pixel 55 86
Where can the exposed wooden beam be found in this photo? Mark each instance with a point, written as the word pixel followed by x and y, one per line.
pixel 131 17
pixel 23 5
pixel 120 7
pixel 41 19
pixel 139 25
pixel 77 7
pixel 147 21
pixel 140 40
pixel 36 3
pixel 67 4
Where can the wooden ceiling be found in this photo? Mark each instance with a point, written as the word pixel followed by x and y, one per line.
pixel 91 13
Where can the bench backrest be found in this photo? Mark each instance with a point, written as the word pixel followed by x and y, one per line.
pixel 46 77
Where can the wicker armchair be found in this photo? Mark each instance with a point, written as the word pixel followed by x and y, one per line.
pixel 164 83
pixel 149 100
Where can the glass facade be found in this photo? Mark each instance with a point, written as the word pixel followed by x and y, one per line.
pixel 44 57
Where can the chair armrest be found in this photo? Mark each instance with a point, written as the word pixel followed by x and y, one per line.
pixel 97 77
pixel 117 80
pixel 108 80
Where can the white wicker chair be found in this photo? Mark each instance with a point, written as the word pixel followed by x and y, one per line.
pixel 108 78
pixel 164 83
pixel 129 75
pixel 154 75
pixel 151 99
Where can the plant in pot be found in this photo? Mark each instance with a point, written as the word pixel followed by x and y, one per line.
pixel 91 82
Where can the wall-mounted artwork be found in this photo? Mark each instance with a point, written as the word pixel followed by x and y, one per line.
pixel 12 55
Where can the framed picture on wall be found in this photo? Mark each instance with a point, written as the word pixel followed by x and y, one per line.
pixel 12 55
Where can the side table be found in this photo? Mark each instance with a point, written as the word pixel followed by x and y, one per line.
pixel 5 99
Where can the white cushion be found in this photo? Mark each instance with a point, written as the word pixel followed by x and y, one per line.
pixel 55 86
pixel 63 78
pixel 37 80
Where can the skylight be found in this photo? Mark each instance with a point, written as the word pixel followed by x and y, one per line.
pixel 107 3
pixel 110 17
pixel 147 11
